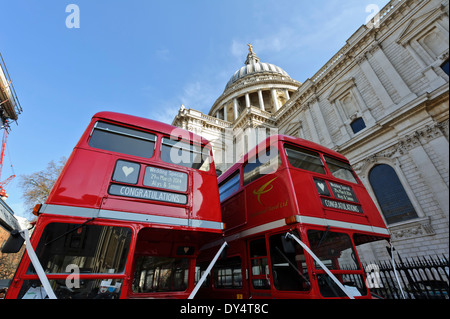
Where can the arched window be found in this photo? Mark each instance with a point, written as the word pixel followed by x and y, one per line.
pixel 391 195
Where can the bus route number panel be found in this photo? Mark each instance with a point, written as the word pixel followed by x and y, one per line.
pixel 340 192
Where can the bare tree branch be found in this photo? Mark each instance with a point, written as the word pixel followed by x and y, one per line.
pixel 37 186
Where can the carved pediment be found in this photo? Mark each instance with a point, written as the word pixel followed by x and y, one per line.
pixel 341 88
pixel 415 228
pixel 418 24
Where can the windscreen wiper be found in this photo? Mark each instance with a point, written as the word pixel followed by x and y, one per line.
pixel 323 237
pixel 69 231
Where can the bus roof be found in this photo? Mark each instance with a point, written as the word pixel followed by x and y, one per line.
pixel 150 124
pixel 285 138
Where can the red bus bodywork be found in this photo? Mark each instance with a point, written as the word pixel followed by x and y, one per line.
pixel 120 217
pixel 85 179
pixel 259 209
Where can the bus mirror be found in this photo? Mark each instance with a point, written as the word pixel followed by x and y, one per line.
pixel 14 243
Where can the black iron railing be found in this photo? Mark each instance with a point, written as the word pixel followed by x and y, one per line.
pixel 413 278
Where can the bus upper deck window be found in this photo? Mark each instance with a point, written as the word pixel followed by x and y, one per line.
pixel 229 187
pixel 263 164
pixel 340 169
pixel 185 154
pixel 123 140
pixel 304 159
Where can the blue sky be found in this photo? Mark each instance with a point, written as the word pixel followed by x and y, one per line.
pixel 146 58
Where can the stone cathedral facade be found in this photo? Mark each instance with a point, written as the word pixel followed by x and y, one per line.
pixel 382 101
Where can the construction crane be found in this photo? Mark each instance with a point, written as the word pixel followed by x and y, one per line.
pixel 3 194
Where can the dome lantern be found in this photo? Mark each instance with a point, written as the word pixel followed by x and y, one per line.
pixel 252 58
pixel 253 66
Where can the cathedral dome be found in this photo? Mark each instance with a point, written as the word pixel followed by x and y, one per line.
pixel 259 85
pixel 253 66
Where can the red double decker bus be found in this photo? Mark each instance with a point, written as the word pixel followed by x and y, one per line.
pixel 295 212
pixel 126 217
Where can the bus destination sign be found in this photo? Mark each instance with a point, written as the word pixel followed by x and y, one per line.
pixel 151 194
pixel 343 192
pixel 341 205
pixel 167 179
pixel 340 192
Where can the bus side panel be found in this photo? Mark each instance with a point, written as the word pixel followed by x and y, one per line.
pixel 269 199
pixel 205 197
pixel 82 180
pixel 307 196
pixel 233 211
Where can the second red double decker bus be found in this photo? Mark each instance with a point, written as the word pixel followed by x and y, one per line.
pixel 133 204
pixel 295 212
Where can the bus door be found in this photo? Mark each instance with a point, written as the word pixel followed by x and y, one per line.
pixel 289 271
pixel 259 274
pixel 162 263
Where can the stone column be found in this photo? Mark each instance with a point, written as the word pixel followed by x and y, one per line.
pixel 315 107
pixel 275 100
pixel 395 78
pixel 435 81
pixel 236 109
pixel 312 126
pixel 261 100
pixel 286 92
pixel 375 82
pixel 429 172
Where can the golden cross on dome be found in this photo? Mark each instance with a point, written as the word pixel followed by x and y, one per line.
pixel 250 48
